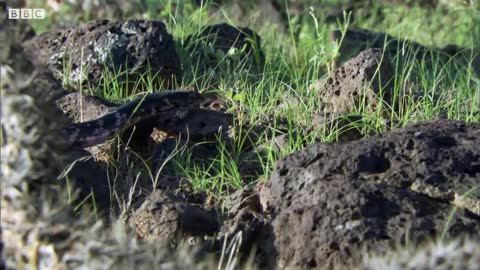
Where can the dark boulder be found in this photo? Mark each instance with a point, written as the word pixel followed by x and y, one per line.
pixel 83 54
pixel 330 199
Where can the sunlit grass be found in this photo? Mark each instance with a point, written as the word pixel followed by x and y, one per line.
pixel 280 90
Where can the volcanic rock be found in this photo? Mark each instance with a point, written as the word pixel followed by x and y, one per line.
pixel 357 83
pixel 163 215
pixel 330 198
pixel 83 54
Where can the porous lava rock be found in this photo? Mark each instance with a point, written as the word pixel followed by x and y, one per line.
pixel 247 220
pixel 163 216
pixel 331 198
pixel 361 81
pixel 83 54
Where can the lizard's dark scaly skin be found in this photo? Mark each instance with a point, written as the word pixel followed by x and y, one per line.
pixel 99 130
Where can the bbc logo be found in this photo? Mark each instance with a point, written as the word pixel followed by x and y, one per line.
pixel 26 13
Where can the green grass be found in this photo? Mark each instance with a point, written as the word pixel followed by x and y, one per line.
pixel 294 60
pixel 280 98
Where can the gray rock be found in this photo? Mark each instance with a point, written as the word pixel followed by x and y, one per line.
pixel 82 54
pixel 357 83
pixel 329 199
pixel 163 215
pixel 250 225
pixel 244 198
